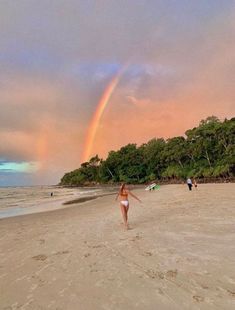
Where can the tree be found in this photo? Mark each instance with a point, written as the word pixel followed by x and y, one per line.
pixel 153 158
pixel 206 151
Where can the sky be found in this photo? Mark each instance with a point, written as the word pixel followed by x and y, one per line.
pixel 173 60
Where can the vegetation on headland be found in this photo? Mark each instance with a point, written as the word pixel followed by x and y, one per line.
pixel 205 152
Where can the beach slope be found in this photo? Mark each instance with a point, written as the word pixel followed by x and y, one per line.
pixel 178 254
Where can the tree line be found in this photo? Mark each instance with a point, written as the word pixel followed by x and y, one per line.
pixel 204 152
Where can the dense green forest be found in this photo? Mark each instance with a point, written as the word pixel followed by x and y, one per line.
pixel 205 152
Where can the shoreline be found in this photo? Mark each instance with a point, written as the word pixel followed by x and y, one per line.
pixel 63 203
pixel 25 200
pixel 54 205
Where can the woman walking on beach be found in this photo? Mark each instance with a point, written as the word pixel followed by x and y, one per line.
pixel 124 202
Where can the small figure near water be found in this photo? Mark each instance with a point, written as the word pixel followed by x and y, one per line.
pixel 189 183
pixel 52 194
pixel 195 183
pixel 124 202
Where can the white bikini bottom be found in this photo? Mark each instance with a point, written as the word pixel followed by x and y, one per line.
pixel 125 203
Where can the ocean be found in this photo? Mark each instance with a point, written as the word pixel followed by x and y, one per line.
pixel 15 201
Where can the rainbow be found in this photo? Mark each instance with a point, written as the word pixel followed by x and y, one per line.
pixel 94 124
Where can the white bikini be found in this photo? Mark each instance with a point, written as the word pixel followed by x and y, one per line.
pixel 125 203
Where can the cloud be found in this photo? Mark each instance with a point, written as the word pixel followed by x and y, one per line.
pixel 57 57
pixel 132 99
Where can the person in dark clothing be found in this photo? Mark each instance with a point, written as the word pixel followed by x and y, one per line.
pixel 189 183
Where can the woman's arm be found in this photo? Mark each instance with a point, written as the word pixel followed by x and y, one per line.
pixel 134 196
pixel 117 196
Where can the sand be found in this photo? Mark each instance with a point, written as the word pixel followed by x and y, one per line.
pixel 179 254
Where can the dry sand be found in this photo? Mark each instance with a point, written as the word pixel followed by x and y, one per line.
pixel 179 254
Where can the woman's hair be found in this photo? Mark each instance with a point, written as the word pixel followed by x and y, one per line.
pixel 122 188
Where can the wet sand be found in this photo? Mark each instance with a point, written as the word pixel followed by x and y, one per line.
pixel 179 253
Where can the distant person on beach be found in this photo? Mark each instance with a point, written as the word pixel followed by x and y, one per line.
pixel 124 202
pixel 195 183
pixel 189 183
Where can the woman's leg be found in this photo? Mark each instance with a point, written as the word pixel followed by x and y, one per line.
pixel 126 214
pixel 124 211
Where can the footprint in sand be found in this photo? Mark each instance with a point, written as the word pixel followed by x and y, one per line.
pixel 160 291
pixel 198 298
pixel 155 274
pixel 160 275
pixel 96 246
pixel 61 252
pixel 40 257
pixel 205 287
pixel 137 237
pixel 39 280
pixel 86 255
pixel 147 254
pixel 232 293
pixel 172 273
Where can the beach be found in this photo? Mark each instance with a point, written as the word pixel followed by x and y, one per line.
pixel 178 254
